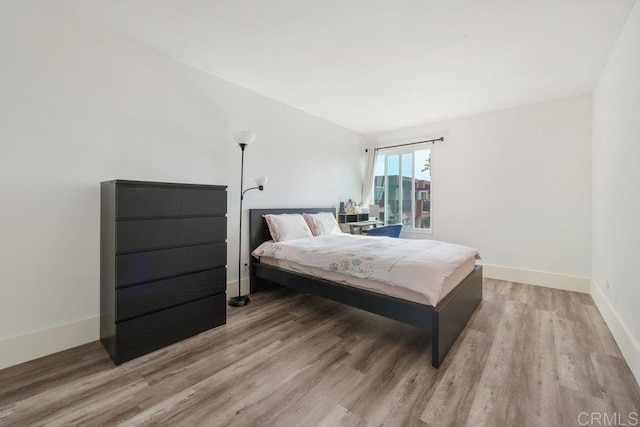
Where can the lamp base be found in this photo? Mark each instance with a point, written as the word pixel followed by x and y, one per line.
pixel 239 301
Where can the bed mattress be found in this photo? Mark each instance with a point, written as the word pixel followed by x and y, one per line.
pixel 450 282
pixel 419 265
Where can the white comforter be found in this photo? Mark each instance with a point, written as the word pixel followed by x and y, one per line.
pixel 416 264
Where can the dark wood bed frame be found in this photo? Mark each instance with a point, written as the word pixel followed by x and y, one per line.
pixel 445 321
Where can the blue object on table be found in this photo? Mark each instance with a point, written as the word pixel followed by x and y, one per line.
pixel 388 230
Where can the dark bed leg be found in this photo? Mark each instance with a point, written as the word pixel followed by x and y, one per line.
pixel 435 340
pixel 451 316
pixel 256 284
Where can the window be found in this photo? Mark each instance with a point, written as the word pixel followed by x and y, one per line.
pixel 402 186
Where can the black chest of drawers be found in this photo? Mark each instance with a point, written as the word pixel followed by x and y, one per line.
pixel 163 256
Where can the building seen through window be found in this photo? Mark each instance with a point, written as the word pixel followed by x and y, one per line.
pixel 402 187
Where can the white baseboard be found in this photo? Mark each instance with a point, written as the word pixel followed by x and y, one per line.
pixel 33 345
pixel 232 287
pixel 538 278
pixel 29 346
pixel 629 347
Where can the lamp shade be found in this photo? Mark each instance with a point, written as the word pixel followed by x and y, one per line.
pixel 244 137
pixel 261 181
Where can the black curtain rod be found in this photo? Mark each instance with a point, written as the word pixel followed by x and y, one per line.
pixel 441 139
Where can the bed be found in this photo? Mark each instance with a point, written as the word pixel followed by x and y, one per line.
pixel 445 321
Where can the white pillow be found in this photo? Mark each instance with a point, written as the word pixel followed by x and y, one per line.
pixel 322 223
pixel 287 227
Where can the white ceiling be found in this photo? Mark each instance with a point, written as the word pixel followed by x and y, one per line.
pixel 377 65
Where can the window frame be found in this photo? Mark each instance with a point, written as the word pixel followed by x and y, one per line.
pixel 399 151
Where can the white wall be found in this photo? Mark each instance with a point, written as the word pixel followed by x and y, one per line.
pixel 79 106
pixel 516 185
pixel 616 189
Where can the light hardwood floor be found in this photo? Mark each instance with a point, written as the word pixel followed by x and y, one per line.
pixel 529 356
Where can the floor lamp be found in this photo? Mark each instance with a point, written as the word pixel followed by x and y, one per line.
pixel 244 138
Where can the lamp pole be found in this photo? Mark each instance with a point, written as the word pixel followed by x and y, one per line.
pixel 240 300
pixel 243 138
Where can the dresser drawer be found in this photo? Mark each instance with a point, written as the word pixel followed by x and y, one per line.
pixel 146 234
pixel 200 201
pixel 143 267
pixel 142 299
pixel 143 334
pixel 134 201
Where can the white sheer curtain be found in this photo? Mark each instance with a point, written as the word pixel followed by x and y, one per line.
pixel 367 187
